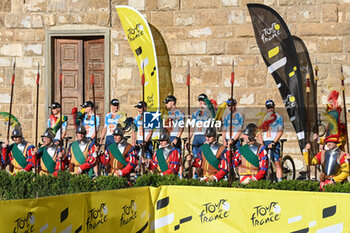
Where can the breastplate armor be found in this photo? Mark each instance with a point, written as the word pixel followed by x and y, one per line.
pixel 83 144
pixel 254 147
pixel 51 150
pixel 215 147
pixel 121 146
pixel 166 151
pixel 331 165
pixel 22 145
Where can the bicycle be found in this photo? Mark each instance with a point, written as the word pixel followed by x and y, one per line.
pixel 288 166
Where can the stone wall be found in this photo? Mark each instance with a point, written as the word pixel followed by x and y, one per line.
pixel 208 33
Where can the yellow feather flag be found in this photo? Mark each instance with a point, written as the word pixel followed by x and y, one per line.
pixel 141 42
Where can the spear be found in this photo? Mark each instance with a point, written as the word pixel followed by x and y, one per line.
pixel 143 115
pixel 61 113
pixel 12 85
pixel 93 96
pixel 37 105
pixel 344 104
pixel 189 114
pixel 95 116
pixel 231 108
pixel 308 119
pixel 10 113
pixel 316 111
pixel 37 111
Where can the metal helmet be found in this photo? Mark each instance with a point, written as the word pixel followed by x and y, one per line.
pixel 49 134
pixel 81 129
pixel 250 130
pixel 118 131
pixel 164 136
pixel 210 132
pixel 17 132
pixel 269 104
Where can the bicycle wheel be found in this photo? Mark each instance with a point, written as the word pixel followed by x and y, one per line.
pixel 288 168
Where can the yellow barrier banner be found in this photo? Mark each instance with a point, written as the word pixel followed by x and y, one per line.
pixel 141 42
pixel 179 209
pixel 124 210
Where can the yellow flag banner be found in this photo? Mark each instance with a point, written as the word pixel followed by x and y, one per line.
pixel 180 209
pixel 141 42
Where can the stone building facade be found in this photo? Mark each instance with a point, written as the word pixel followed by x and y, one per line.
pixel 207 33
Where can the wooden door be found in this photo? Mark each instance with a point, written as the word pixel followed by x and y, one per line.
pixel 77 56
pixel 69 53
pixel 94 62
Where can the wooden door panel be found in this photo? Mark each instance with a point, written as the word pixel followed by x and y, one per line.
pixel 69 53
pixel 94 62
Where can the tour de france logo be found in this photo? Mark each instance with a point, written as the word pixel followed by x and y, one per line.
pixel 129 212
pixel 264 214
pixel 270 32
pixel 24 224
pixel 214 211
pixel 96 217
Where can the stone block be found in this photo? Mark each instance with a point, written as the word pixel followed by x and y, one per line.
pixel 25 21
pixel 235 47
pixel 288 2
pixel 137 4
pixel 90 18
pixel 124 74
pixel 98 6
pixel 187 47
pixel 316 29
pixel 236 17
pixel 49 20
pixel 35 5
pixel 25 35
pixel 57 6
pixel 25 97
pixel 77 19
pixel 229 2
pixel 212 17
pixel 103 19
pixel 207 4
pixel 162 18
pixel 5 62
pixel 33 49
pixel 29 78
pixel 303 14
pixel 215 47
pixel 223 32
pixel 244 30
pixel 24 62
pixel 200 32
pixel 7 36
pixel 37 21
pixel 65 19
pixel 188 4
pixel 77 5
pixel 346 44
pixel 168 4
pixel 331 45
pixel 184 19
pixel 330 13
pixel 339 58
pixel 5 6
pixel 211 76
pixel 12 50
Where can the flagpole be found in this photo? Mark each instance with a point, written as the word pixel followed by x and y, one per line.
pixel 93 97
pixel 308 119
pixel 189 114
pixel 231 108
pixel 12 85
pixel 344 104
